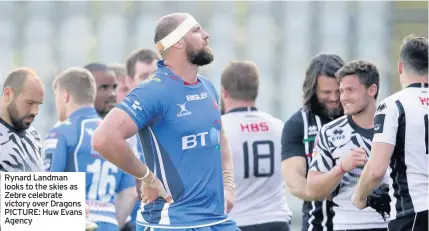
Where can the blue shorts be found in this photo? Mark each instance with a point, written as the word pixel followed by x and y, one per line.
pixel 225 226
pixel 104 226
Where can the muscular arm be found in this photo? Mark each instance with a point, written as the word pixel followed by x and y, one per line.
pixel 322 184
pixel 294 172
pixel 225 150
pixel 109 139
pixel 294 160
pixel 323 175
pixel 387 122
pixel 374 171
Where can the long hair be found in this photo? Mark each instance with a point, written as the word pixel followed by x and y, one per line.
pixel 321 65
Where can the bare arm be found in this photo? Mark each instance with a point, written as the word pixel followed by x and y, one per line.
pixel 109 140
pixel 228 173
pixel 294 172
pixel 374 171
pixel 225 150
pixel 125 201
pixel 322 184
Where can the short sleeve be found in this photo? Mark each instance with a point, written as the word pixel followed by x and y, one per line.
pixel 292 137
pixel 386 122
pixel 144 103
pixel 322 158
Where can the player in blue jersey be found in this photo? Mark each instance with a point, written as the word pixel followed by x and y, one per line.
pixel 188 176
pixel 67 148
pixel 123 90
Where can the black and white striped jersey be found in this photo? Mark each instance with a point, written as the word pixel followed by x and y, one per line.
pixel 334 141
pixel 19 151
pixel 402 120
pixel 298 138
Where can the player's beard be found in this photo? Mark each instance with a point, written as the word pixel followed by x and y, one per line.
pixel 332 112
pixel 199 58
pixel 18 122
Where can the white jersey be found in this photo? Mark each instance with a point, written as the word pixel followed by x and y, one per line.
pixel 402 120
pixel 334 141
pixel 254 138
pixel 20 151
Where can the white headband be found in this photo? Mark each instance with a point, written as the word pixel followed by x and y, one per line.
pixel 176 34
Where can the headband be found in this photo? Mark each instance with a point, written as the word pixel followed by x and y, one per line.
pixel 176 34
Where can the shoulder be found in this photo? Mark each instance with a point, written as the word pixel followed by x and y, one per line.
pixel 157 81
pixel 389 103
pixel 208 84
pixel 272 119
pixel 204 80
pixel 65 129
pixel 296 120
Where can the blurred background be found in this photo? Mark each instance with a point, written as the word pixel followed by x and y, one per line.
pixel 280 37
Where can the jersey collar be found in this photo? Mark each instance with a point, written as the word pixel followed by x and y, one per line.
pixel 162 68
pixel 11 128
pixel 242 109
pixel 418 85
pixel 84 111
pixel 365 132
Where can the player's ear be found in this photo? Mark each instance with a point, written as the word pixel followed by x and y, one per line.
pixel 8 94
pixel 66 96
pixel 224 93
pixel 372 90
pixel 400 67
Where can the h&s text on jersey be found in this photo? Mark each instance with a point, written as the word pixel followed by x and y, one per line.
pixel 33 177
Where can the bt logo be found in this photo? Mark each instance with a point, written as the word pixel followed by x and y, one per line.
pixel 192 141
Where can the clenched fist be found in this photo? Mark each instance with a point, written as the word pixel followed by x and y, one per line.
pixel 357 157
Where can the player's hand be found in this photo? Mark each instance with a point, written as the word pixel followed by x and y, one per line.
pixel 152 188
pixel 148 194
pixel 360 204
pixel 380 200
pixel 357 157
pixel 229 195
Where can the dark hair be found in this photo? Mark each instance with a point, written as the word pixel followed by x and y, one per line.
pixel 321 65
pixel 414 54
pixel 97 67
pixel 142 55
pixel 241 80
pixel 364 70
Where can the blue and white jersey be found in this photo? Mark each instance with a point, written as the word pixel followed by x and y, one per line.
pixel 139 152
pixel 67 148
pixel 179 126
